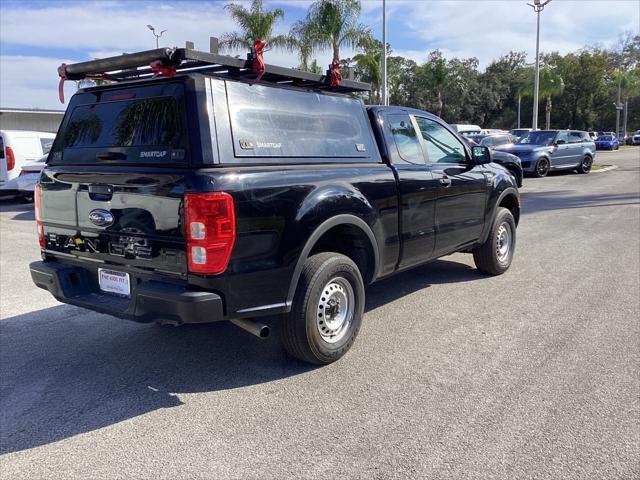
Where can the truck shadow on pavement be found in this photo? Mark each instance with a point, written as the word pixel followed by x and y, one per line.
pixel 24 211
pixel 533 202
pixel 66 371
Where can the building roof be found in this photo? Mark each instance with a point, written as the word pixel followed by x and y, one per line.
pixel 31 110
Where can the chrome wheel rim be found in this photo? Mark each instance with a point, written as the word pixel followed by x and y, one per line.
pixel 504 239
pixel 543 167
pixel 335 309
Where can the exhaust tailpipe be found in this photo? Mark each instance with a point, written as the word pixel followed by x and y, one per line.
pixel 257 329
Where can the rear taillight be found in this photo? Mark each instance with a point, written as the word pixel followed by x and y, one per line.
pixel 37 202
pixel 11 158
pixel 211 231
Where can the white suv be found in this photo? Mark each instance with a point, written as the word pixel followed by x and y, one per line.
pixel 636 138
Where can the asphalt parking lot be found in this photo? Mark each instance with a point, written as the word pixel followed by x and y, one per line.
pixel 533 374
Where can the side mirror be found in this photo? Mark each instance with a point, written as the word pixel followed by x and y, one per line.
pixel 560 142
pixel 481 155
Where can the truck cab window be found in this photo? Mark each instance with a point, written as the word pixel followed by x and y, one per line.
pixel 442 146
pixel 406 139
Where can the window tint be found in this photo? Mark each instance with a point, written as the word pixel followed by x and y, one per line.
pixel 442 146
pixel 575 137
pixel 277 122
pixel 1 147
pixel 405 138
pixel 537 138
pixel 146 122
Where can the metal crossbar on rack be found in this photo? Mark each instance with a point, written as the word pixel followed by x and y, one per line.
pixel 168 61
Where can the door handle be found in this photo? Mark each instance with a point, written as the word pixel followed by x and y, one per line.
pixel 445 181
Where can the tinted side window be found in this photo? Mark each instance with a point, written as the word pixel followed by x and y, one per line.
pixel 405 138
pixel 282 123
pixel 575 137
pixel 563 137
pixel 442 146
pixel 586 137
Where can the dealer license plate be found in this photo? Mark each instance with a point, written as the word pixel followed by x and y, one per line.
pixel 114 282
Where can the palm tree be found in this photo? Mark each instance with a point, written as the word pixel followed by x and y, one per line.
pixel 368 65
pixel 255 24
pixel 551 84
pixel 332 24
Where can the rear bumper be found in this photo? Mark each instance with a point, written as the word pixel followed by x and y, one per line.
pixel 150 300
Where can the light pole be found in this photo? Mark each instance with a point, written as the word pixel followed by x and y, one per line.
pixel 538 6
pixel 153 30
pixel 384 53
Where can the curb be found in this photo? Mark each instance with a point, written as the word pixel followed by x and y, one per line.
pixel 606 168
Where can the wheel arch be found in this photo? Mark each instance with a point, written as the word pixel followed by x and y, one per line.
pixel 336 225
pixel 508 198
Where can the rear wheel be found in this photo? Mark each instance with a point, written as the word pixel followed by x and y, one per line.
pixel 542 167
pixel 327 309
pixel 494 256
pixel 585 165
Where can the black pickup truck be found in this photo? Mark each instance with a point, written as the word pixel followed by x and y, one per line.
pixel 204 196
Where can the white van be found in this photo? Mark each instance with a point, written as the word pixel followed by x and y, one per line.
pixel 466 130
pixel 18 148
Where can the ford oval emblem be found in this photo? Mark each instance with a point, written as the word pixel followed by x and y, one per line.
pixel 101 218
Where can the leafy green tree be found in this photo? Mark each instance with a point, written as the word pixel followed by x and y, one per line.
pixel 435 73
pixel 255 23
pixel 332 24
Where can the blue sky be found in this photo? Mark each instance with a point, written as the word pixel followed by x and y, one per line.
pixel 37 36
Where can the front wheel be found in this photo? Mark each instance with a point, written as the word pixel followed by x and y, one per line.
pixel 327 309
pixel 585 165
pixel 542 167
pixel 494 256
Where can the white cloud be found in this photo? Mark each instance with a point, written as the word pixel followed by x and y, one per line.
pixel 485 29
pixel 489 29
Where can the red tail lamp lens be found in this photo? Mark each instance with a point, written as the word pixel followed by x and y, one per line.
pixel 210 230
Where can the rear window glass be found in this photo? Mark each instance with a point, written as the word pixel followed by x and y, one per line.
pixel 46 143
pixel 125 130
pixel 1 147
pixel 284 123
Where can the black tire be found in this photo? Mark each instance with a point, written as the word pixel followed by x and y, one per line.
pixel 585 164
pixel 487 256
pixel 301 329
pixel 542 167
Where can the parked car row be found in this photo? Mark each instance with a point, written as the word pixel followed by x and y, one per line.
pixel 542 151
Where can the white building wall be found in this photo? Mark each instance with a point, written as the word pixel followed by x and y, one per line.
pixel 37 121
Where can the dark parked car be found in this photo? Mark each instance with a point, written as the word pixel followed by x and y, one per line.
pixel 607 142
pixel 210 195
pixel 544 150
pixel 507 160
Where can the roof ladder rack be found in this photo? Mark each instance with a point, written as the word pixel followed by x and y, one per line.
pixel 169 61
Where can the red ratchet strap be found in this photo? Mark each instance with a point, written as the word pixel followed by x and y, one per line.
pixel 258 59
pixel 62 71
pixel 159 69
pixel 335 77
